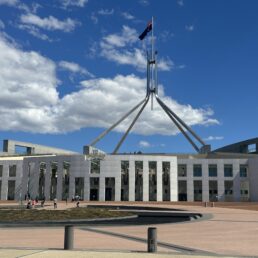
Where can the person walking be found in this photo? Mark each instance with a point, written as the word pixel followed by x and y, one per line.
pixel 55 203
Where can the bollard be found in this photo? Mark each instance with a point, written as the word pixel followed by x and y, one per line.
pixel 152 240
pixel 68 238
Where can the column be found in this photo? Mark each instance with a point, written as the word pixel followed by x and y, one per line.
pixel 221 186
pixel 47 180
pixel 34 180
pixel 145 181
pixel 159 182
pixel 190 190
pixel 205 181
pixel 102 188
pixel 132 180
pixel 173 181
pixel 5 177
pixel 236 183
pixel 59 188
pixel 118 188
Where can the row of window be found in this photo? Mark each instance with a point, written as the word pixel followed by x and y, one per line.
pixel 213 170
pixel 12 170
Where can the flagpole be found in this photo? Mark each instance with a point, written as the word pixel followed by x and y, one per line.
pixel 152 59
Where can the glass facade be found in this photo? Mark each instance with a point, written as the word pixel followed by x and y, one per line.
pixel 213 171
pixel 42 175
pixel 138 180
pixel 197 170
pixel 182 170
pixel 166 180
pixel 12 171
pixel 228 170
pixel 11 190
pixel 243 171
pixel 95 166
pixel 228 184
pixel 124 180
pixel 152 181
pixel 53 182
pixel 198 190
pixel 79 187
pixel 213 190
pixel 65 180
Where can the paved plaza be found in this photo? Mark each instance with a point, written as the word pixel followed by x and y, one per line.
pixel 228 232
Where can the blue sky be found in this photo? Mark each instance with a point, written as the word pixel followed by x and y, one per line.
pixel 69 69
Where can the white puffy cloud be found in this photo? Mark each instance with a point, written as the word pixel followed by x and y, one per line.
pixel 28 89
pixel 214 138
pixel 74 68
pixel 49 23
pixel 113 48
pixel 127 16
pixel 34 31
pixel 144 144
pixel 17 4
pixel 108 99
pixel 77 3
pixel 106 12
pixel 29 99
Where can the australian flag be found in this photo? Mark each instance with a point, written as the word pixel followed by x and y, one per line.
pixel 148 29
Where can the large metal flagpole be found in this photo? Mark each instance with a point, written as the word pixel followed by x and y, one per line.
pixel 151 91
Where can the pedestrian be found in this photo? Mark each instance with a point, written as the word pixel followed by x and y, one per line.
pixel 55 203
pixel 78 204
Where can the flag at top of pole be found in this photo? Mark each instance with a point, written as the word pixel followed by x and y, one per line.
pixel 145 32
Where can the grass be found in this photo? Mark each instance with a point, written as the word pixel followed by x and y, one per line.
pixel 23 215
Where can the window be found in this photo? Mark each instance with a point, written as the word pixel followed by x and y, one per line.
pixel 197 170
pixel 244 192
pixel 228 187
pixel 213 170
pixel 124 167
pixel 1 170
pixel 95 166
pixel 228 170
pixel 12 171
pixel 182 170
pixel 243 170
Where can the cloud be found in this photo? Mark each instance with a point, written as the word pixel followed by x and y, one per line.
pixel 74 68
pixel 28 90
pixel 144 144
pixel 189 27
pixel 94 18
pixel 127 16
pixel 144 2
pixel 166 35
pixel 30 102
pixel 34 31
pixel 180 2
pixel 2 26
pixel 77 3
pixel 214 138
pixel 106 12
pixel 16 4
pixel 113 48
pixel 49 23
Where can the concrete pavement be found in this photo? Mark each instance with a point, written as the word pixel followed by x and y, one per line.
pixel 229 232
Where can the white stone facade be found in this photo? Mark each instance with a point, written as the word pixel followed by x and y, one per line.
pixel 130 177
